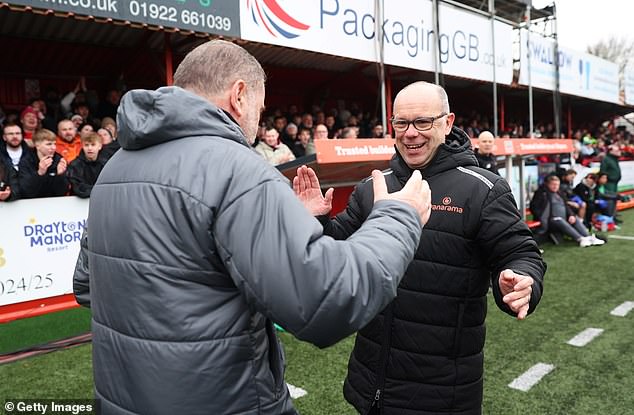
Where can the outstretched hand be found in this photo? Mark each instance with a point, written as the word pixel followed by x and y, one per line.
pixel 415 193
pixel 516 290
pixel 307 189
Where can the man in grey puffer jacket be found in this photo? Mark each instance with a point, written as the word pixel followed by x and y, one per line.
pixel 196 245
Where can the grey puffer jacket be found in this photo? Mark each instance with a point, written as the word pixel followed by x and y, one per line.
pixel 195 245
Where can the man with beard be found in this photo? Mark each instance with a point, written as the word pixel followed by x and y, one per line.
pixel 14 153
pixel 68 140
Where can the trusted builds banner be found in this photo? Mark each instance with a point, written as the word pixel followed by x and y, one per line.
pixel 39 244
pixel 348 28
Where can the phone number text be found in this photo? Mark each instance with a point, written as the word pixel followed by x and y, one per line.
pixel 171 14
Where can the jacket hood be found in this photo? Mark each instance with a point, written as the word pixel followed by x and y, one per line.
pixel 455 151
pixel 146 118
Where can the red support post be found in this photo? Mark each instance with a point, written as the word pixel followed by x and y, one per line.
pixel 501 130
pixel 169 66
pixel 388 100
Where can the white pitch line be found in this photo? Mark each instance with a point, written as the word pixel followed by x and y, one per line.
pixel 295 391
pixel 531 377
pixel 584 337
pixel 623 309
pixel 627 238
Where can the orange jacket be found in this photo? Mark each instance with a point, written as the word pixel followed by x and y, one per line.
pixel 69 151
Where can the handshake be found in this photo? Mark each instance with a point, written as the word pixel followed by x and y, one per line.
pixel 415 193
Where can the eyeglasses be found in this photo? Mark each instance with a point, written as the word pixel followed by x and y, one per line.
pixel 420 123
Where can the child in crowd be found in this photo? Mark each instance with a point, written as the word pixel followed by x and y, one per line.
pixel 84 170
pixel 45 173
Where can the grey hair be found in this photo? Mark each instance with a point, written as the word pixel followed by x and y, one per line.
pixel 211 68
pixel 442 94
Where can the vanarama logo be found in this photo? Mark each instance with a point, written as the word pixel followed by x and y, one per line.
pixel 270 15
pixel 446 206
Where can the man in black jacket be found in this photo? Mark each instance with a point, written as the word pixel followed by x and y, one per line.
pixel 484 152
pixel 424 352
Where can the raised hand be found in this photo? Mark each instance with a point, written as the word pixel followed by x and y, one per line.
pixel 4 194
pixel 415 193
pixel 516 290
pixel 44 164
pixel 307 189
pixel 61 167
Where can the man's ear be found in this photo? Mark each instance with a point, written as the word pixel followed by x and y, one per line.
pixel 237 97
pixel 450 119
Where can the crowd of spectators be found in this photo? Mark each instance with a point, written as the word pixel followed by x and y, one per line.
pixel 57 146
pixel 284 134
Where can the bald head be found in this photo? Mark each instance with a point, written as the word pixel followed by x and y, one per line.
pixel 425 90
pixel 486 142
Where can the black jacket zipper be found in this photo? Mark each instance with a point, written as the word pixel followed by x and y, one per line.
pixel 385 351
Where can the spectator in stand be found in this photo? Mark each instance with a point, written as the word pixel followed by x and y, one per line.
pixel 85 129
pixel 8 178
pixel 290 135
pixel 29 119
pixel 348 132
pixel 272 149
pixel 77 120
pixel 108 107
pixel 74 97
pixel 610 166
pixel 331 125
pixel 14 152
pixel 484 152
pixel 292 112
pixel 279 122
pixel 109 145
pixel 472 130
pixel 586 190
pixel 377 131
pixel 68 141
pixel 45 174
pixel 46 120
pixel 320 117
pixel 84 170
pixel 304 145
pixel 321 132
pixel 83 110
pixel 549 206
pixel 605 200
pixel 110 125
pixel 576 203
pixel 307 121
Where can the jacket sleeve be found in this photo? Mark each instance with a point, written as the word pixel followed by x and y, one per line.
pixel 347 222
pixel 319 289
pixel 77 181
pixel 509 243
pixel 81 276
pixel 30 182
